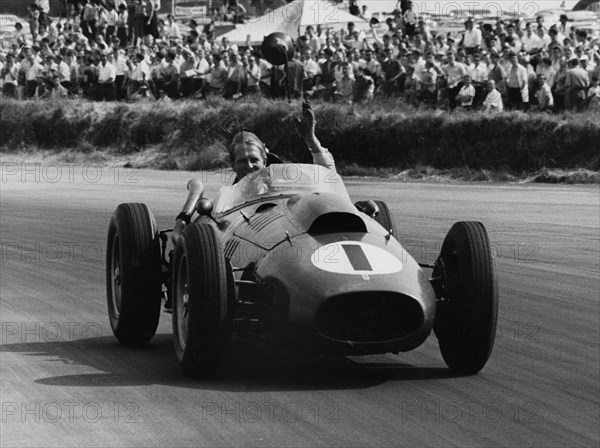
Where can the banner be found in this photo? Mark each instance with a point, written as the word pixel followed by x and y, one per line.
pixel 189 11
pixel 379 29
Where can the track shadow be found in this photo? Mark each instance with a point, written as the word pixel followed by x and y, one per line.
pixel 247 367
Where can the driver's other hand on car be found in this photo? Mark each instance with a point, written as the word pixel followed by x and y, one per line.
pixel 248 154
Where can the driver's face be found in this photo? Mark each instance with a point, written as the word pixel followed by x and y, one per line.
pixel 247 159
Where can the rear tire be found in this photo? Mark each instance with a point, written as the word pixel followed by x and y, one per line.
pixel 467 311
pixel 133 272
pixel 200 300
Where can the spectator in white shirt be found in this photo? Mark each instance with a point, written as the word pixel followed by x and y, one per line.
pixel 517 83
pixel 139 74
pixel 372 66
pixel 353 38
pixel 562 26
pixel 428 92
pixel 493 45
pixel 253 75
pixel 122 25
pixel 356 61
pixel 73 70
pixel 593 95
pixel 44 8
pixel 593 58
pixel 467 94
pixel 120 63
pixel 344 87
pixel 423 31
pixel 530 42
pixel 10 76
pixel 440 45
pixel 19 35
pixel 454 72
pixel 107 73
pixel 472 38
pixel 311 69
pixel 50 79
pixel 188 73
pixel 493 100
pixel 111 22
pixel 545 68
pixel 172 31
pixel 32 70
pixel 418 64
pixel 512 33
pixel 544 37
pixel 314 41
pixel 202 66
pixel 478 72
pixel 52 32
pixel 544 96
pixel 227 46
pixel 340 58
pixel 64 72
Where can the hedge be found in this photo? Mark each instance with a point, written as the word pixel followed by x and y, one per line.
pixel 383 134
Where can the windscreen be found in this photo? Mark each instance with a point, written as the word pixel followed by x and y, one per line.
pixel 280 180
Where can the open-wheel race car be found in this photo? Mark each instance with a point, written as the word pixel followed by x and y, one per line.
pixel 284 253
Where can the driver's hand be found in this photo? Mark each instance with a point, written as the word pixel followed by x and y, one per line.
pixel 177 231
pixel 305 126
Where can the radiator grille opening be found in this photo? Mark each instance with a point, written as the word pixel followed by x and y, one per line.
pixel 369 317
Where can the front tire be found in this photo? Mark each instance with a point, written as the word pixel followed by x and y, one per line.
pixel 467 310
pixel 133 272
pixel 200 298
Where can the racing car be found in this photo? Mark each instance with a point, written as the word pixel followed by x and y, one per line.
pixel 285 254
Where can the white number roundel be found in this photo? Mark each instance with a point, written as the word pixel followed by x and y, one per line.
pixel 355 258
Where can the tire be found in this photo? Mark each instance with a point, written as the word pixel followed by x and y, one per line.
pixel 133 273
pixel 384 217
pixel 201 286
pixel 467 311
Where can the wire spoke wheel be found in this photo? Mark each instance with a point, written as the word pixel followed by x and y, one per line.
pixel 133 274
pixel 467 311
pixel 116 277
pixel 201 300
pixel 182 298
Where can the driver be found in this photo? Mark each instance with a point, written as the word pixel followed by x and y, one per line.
pixel 248 154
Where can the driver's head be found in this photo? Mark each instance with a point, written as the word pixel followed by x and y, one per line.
pixel 247 154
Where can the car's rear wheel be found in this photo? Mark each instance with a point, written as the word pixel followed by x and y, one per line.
pixel 385 218
pixel 200 300
pixel 467 308
pixel 133 287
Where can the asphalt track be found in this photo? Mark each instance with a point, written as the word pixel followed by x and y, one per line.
pixel 66 382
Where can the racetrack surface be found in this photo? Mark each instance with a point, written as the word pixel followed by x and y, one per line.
pixel 65 381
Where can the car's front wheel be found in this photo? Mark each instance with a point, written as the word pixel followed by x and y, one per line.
pixel 467 308
pixel 200 300
pixel 133 272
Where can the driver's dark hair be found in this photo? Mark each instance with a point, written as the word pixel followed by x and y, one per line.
pixel 250 139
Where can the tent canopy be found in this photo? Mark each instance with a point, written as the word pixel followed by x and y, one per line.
pixel 293 19
pixel 589 5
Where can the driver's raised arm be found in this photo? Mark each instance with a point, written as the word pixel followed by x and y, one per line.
pixel 305 127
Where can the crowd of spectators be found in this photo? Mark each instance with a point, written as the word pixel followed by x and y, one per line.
pixel 121 50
